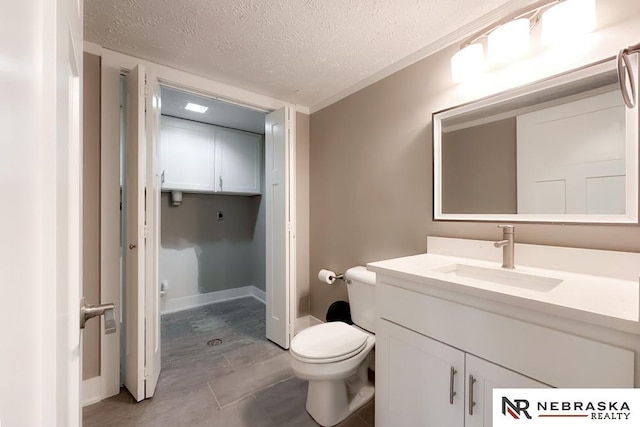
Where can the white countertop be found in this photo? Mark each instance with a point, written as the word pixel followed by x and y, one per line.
pixel 606 301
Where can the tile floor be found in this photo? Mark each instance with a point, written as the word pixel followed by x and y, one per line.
pixel 243 381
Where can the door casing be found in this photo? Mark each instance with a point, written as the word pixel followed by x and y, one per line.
pixel 113 64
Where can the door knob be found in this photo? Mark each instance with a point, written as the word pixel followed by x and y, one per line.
pixel 87 311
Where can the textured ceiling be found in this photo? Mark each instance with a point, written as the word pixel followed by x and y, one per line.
pixel 300 51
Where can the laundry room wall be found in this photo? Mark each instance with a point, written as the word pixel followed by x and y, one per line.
pixel 200 254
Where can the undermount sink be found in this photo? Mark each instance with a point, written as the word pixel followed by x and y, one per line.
pixel 502 277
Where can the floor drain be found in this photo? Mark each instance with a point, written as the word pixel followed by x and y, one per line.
pixel 215 341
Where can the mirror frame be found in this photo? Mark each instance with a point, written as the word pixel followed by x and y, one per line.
pixel 632 141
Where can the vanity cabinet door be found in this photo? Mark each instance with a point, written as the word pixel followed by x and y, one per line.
pixel 186 155
pixel 238 161
pixel 415 384
pixel 481 377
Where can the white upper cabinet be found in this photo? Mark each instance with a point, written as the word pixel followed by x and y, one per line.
pixel 238 160
pixel 187 155
pixel 200 157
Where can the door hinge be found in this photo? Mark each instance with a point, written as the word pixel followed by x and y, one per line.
pixel 146 89
pixel 146 231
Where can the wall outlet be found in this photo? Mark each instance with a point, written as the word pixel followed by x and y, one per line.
pixel 220 215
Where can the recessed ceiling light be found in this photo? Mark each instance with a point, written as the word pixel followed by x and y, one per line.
pixel 196 108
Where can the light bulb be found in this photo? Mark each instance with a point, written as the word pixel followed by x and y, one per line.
pixel 467 63
pixel 509 41
pixel 567 20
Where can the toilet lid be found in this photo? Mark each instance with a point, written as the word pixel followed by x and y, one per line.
pixel 333 340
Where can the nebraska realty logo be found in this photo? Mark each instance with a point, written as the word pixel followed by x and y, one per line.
pixel 566 407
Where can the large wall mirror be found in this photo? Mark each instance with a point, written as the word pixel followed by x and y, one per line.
pixel 560 150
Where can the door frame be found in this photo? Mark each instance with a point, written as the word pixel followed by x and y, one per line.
pixel 112 65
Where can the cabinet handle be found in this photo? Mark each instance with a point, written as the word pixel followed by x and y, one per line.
pixel 452 393
pixel 162 178
pixel 472 381
pixel 220 178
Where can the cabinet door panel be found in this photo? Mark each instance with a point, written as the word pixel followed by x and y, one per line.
pixel 413 379
pixel 187 155
pixel 489 376
pixel 238 161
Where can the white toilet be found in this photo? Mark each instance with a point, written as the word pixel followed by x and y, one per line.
pixel 334 357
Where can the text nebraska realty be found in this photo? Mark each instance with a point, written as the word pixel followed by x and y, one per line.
pixel 596 410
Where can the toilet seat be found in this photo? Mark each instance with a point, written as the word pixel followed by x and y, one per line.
pixel 328 342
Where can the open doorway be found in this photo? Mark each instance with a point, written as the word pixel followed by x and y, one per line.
pixel 216 226
pixel 212 211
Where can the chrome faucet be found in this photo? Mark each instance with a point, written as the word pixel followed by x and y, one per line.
pixel 507 246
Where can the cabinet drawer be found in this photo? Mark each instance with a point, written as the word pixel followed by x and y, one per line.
pixel 555 358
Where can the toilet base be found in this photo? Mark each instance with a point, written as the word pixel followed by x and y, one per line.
pixel 330 402
pixel 334 406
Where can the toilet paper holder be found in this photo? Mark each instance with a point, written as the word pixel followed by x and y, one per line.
pixel 341 277
pixel 329 277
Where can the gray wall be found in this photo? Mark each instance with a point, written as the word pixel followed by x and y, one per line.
pixel 302 213
pixel 91 211
pixel 224 249
pixel 371 176
pixel 259 243
pixel 479 172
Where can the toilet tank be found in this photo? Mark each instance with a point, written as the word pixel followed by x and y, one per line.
pixel 361 286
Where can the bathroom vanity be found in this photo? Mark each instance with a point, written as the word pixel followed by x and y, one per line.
pixel 452 325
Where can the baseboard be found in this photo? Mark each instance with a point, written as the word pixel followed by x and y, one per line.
pixel 192 301
pixel 91 391
pixel 304 322
pixel 259 294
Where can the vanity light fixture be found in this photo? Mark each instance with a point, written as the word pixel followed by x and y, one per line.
pixel 467 63
pixel 509 38
pixel 509 41
pixel 196 108
pixel 568 19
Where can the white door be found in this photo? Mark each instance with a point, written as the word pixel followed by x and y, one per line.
pixel 280 219
pixel 152 215
pixel 40 172
pixel 480 380
pixel 419 381
pixel 134 245
pixel 142 221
